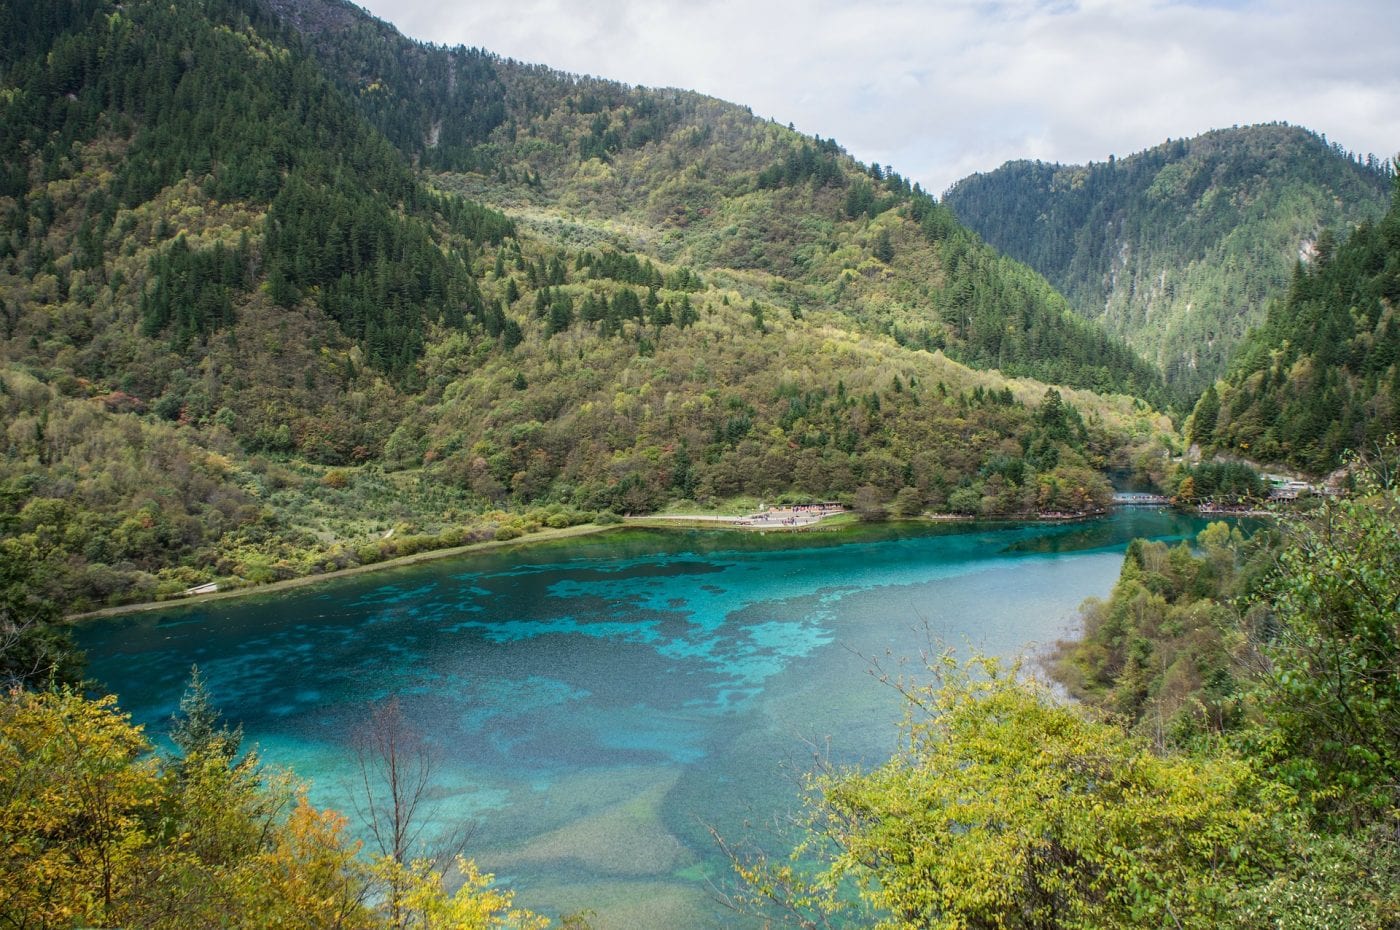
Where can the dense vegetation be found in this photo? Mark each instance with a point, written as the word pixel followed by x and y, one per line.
pixel 1234 764
pixel 1167 650
pixel 1178 249
pixel 282 292
pixel 175 97
pixel 1322 375
pixel 1242 774
pixel 101 831
pixel 1221 482
pixel 35 651
pixel 435 105
pixel 1284 642
pixel 710 186
pixel 248 336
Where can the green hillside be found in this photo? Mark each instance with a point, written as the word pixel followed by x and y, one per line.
pixel 1322 375
pixel 258 322
pixel 700 182
pixel 1178 249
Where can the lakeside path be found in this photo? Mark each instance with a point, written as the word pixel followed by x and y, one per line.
pixel 586 529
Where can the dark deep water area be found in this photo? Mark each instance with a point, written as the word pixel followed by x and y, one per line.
pixel 598 703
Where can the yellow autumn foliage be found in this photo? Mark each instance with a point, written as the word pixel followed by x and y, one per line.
pixel 96 830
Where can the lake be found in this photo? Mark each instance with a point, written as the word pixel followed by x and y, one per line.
pixel 599 704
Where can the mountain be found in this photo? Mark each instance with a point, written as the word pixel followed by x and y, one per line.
pixel 1321 376
pixel 282 291
pixel 1177 249
pixel 700 182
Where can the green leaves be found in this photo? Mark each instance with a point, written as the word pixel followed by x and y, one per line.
pixel 98 832
pixel 1333 689
pixel 1322 374
pixel 1008 809
pixel 198 730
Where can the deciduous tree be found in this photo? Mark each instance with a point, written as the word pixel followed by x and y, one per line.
pixel 1007 809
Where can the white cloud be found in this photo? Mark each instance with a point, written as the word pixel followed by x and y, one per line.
pixel 941 88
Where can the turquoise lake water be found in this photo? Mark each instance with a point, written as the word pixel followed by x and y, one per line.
pixel 598 704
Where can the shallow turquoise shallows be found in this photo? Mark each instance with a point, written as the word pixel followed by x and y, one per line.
pixel 599 704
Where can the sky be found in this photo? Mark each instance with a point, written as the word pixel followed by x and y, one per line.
pixel 940 89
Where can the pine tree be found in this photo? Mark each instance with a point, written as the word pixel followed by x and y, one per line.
pixel 197 729
pixel 884 249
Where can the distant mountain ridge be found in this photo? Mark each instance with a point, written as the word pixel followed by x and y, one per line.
pixel 1321 377
pixel 1177 249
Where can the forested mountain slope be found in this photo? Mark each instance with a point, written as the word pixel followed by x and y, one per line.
pixel 702 182
pixel 1177 249
pixel 1322 375
pixel 255 316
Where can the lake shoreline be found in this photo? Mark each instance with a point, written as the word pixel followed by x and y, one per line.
pixel 650 521
pixel 782 520
pixel 302 581
pixel 616 685
pixel 647 521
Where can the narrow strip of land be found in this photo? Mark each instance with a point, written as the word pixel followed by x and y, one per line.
pixel 772 519
pixel 794 518
pixel 585 529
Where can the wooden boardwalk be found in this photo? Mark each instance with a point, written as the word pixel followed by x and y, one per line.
pixel 1136 499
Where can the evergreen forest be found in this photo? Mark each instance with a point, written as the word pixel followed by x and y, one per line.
pixel 1178 249
pixel 1321 376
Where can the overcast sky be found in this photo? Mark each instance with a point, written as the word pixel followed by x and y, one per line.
pixel 942 88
